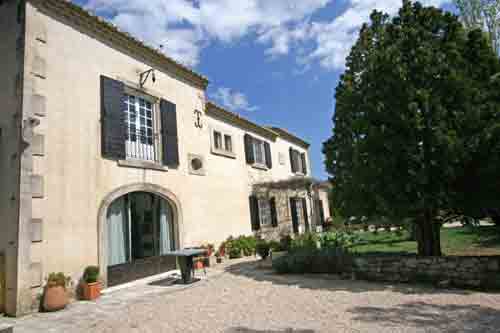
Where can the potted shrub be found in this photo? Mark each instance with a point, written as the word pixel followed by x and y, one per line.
pixel 210 249
pixel 218 257
pixel 222 249
pixel 198 264
pixel 262 248
pixel 55 296
pixel 91 287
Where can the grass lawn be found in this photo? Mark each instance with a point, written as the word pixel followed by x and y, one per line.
pixel 484 240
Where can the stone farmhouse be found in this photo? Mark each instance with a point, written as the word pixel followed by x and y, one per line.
pixel 111 155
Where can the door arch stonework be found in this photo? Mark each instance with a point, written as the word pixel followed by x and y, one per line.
pixel 121 191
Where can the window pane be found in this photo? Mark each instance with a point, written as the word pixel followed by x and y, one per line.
pixel 133 134
pixel 217 140
pixel 228 143
pixel 143 229
pixel 118 234
pixel 264 212
pixel 259 152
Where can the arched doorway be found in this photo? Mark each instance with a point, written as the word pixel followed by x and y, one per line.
pixel 138 229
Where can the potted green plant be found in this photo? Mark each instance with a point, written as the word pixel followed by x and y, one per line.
pixel 218 257
pixel 55 296
pixel 91 287
pixel 262 248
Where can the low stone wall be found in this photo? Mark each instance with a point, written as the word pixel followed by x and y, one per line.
pixel 467 272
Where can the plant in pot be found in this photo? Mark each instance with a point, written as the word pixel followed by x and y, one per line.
pixel 222 249
pixel 218 257
pixel 210 249
pixel 55 296
pixel 91 287
pixel 262 248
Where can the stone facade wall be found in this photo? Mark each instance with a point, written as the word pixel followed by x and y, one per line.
pixel 468 272
pixel 2 283
pixel 51 140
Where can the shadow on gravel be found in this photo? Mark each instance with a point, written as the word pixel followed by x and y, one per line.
pixel 433 318
pixel 330 282
pixel 249 330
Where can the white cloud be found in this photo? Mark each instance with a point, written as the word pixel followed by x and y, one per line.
pixel 185 27
pixel 334 39
pixel 233 100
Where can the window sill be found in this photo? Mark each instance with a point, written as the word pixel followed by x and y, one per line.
pixel 138 164
pixel 260 166
pixel 223 153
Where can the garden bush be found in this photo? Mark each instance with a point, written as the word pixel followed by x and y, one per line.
pixel 262 248
pixel 245 245
pixel 307 241
pixel 325 260
pixel 338 239
pixel 285 243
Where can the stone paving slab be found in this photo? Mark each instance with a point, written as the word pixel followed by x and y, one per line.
pixel 240 297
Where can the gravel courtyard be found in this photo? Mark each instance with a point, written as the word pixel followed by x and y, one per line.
pixel 241 298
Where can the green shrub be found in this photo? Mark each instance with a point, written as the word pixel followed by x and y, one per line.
pixel 235 252
pixel 58 280
pixel 275 246
pixel 245 244
pixel 91 274
pixel 307 241
pixel 338 239
pixel 285 243
pixel 262 248
pixel 313 261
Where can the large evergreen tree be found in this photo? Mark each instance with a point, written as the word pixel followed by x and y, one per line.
pixel 417 122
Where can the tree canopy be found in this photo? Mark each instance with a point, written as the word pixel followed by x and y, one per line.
pixel 417 122
pixel 482 14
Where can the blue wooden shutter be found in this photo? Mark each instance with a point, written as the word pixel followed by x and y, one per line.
pixel 113 130
pixel 170 141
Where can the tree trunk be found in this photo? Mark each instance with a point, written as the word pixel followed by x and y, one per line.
pixel 428 236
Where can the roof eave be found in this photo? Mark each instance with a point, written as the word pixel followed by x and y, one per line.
pixel 223 114
pixel 111 33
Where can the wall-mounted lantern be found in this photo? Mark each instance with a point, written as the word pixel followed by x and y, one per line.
pixel 144 76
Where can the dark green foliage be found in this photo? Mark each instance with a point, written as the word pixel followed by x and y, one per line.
pixel 285 243
pixel 337 239
pixel 243 244
pixel 305 242
pixel 58 280
pixel 234 252
pixel 91 274
pixel 263 247
pixel 277 246
pixel 313 261
pixel 417 122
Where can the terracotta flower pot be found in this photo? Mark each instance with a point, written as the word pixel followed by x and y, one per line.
pixel 55 298
pixel 198 265
pixel 91 291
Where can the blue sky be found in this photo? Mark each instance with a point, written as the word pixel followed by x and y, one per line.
pixel 276 62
